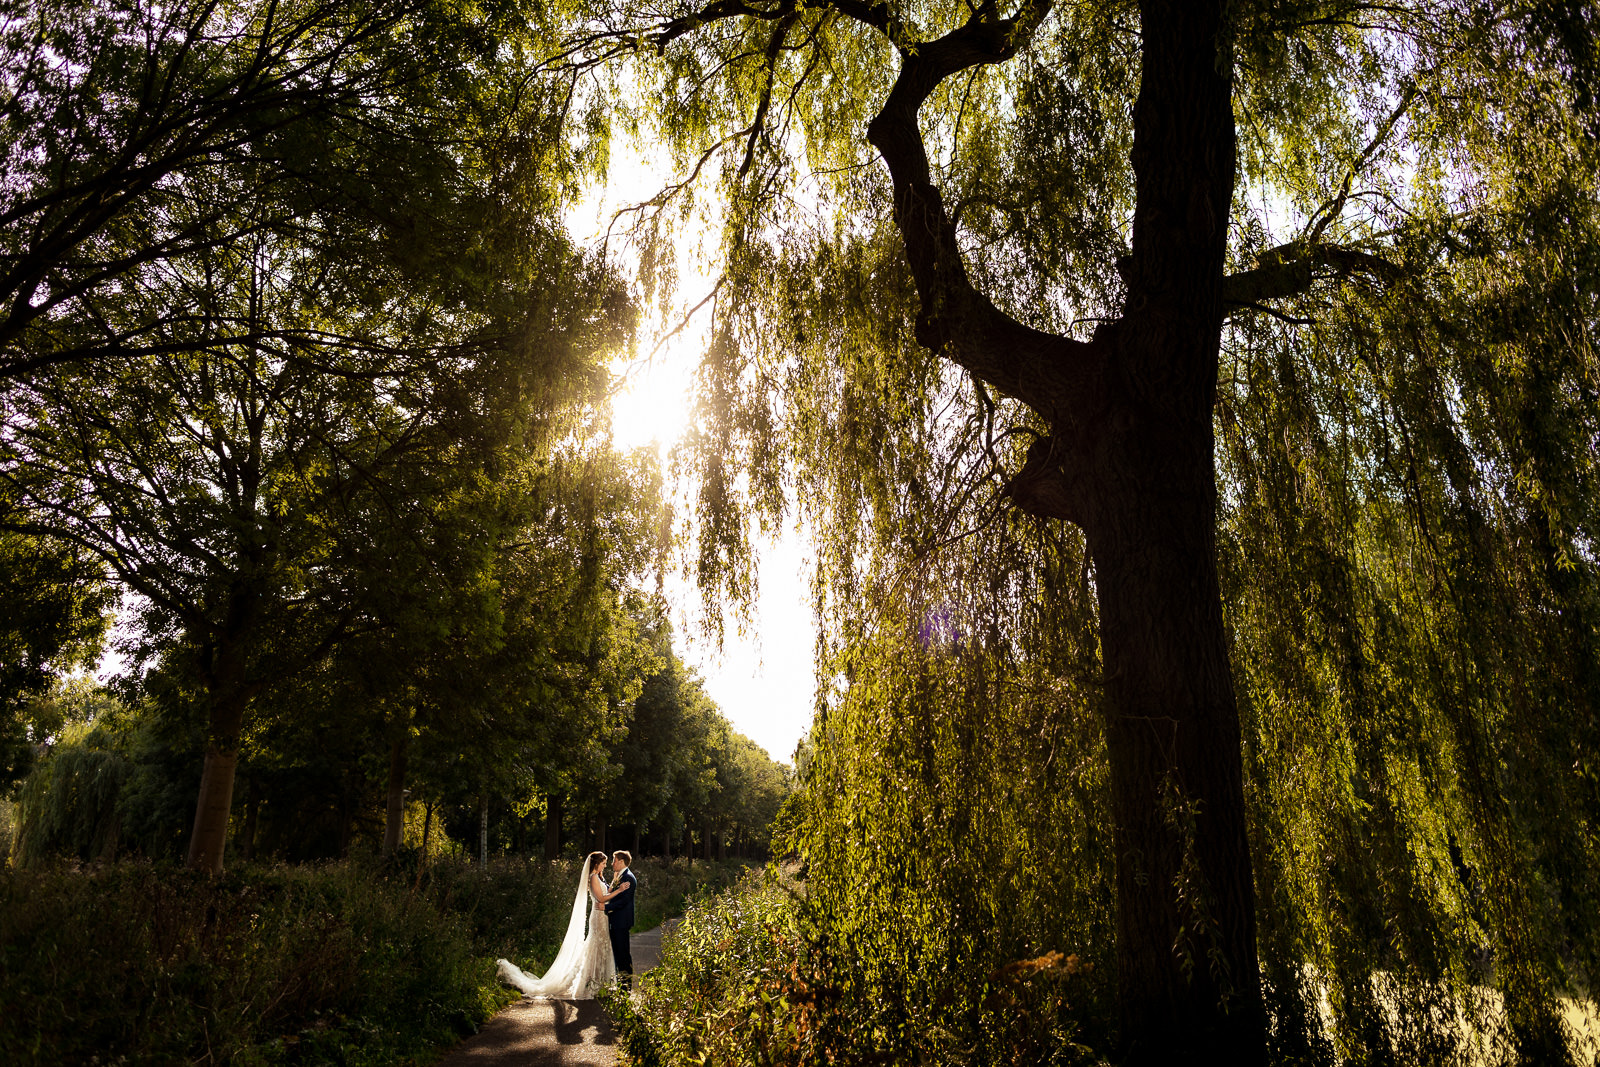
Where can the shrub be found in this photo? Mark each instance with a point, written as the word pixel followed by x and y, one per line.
pixel 759 976
pixel 264 965
pixel 339 962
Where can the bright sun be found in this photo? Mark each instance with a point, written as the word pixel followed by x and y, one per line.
pixel 653 405
pixel 768 696
pixel 653 402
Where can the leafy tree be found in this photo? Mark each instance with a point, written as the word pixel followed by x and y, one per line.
pixel 909 332
pixel 308 341
pixel 755 789
pixel 57 610
pixel 114 111
pixel 70 803
pixel 532 713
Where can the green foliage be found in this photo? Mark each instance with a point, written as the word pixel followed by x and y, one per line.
pixel 712 999
pixel 269 965
pixel 752 977
pixel 280 965
pixel 667 887
pixel 57 611
pixel 951 812
pixel 293 395
pixel 69 803
pixel 1405 475
pixel 681 764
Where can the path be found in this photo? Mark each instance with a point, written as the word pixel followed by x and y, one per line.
pixel 553 1033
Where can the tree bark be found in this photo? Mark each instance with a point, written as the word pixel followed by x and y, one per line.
pixel 397 797
pixel 1188 982
pixel 209 836
pixel 552 826
pixel 1185 907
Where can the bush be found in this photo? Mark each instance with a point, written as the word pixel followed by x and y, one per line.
pixel 758 976
pixel 332 963
pixel 146 964
pixel 719 994
pixel 667 886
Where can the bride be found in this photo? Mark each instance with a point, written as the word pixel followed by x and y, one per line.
pixel 583 965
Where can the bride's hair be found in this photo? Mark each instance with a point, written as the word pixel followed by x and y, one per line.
pixel 595 859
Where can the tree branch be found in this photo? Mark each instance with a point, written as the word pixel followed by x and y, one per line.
pixel 1044 371
pixel 1290 269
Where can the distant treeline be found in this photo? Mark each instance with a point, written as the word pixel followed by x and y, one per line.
pixel 667 777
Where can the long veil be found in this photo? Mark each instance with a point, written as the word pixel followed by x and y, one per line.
pixel 563 972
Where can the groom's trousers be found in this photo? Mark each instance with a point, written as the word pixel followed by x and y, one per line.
pixel 622 951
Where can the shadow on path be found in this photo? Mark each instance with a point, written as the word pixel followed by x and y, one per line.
pixel 551 1033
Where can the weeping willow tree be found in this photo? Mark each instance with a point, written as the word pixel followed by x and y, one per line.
pixel 1196 403
pixel 68 804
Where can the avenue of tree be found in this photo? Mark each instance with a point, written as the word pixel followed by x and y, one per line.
pixel 299 363
pixel 1196 404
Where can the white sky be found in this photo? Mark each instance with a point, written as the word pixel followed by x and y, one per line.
pixel 763 679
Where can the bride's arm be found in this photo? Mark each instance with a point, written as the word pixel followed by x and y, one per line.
pixel 598 888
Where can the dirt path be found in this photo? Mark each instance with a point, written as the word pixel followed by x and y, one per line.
pixel 553 1033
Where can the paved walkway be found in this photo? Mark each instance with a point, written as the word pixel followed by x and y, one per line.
pixel 553 1033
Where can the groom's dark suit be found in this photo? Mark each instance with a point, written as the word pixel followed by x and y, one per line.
pixel 619 915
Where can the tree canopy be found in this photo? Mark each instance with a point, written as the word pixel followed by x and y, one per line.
pixel 1287 309
pixel 1196 405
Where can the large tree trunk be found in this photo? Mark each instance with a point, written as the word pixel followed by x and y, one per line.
pixel 1186 958
pixel 209 836
pixel 397 797
pixel 1129 459
pixel 1188 982
pixel 552 826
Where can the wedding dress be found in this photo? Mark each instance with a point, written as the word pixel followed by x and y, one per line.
pixel 583 965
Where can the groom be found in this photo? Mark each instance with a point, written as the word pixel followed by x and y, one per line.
pixel 619 914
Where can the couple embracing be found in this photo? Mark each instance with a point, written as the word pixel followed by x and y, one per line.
pixel 588 962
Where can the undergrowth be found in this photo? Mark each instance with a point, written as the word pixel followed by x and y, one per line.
pixel 753 976
pixel 340 963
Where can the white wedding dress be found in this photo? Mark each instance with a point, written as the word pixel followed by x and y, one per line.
pixel 583 965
